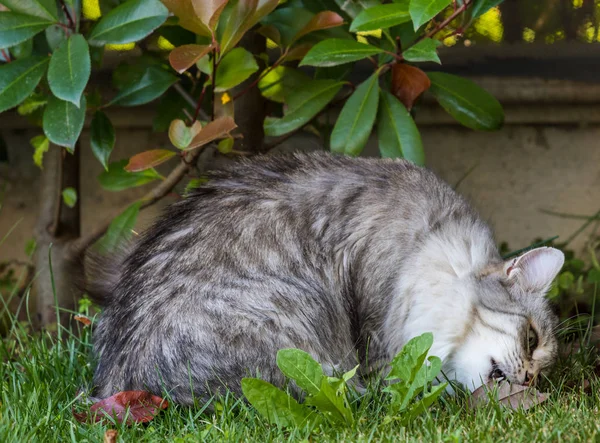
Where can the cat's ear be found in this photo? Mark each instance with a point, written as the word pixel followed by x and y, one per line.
pixel 535 270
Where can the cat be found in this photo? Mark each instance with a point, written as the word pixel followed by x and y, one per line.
pixel 345 258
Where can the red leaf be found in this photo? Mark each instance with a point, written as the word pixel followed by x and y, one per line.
pixel 216 129
pixel 127 406
pixel 184 11
pixel 209 11
pixel 322 20
pixel 408 83
pixel 148 159
pixel 183 57
pixel 83 319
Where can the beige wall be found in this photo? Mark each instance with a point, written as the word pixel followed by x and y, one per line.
pixel 546 157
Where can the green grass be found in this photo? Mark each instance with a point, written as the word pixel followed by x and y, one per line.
pixel 40 378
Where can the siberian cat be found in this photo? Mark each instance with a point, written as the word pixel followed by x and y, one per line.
pixel 345 258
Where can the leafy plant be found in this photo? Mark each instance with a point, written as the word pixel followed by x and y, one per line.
pixel 196 59
pixel 327 397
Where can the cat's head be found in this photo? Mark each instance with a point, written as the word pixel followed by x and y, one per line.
pixel 510 332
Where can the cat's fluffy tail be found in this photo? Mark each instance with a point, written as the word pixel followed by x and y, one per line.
pixel 103 272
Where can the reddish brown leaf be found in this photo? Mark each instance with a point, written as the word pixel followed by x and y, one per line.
pixel 408 83
pixel 216 129
pixel 322 20
pixel 110 436
pixel 209 11
pixel 509 395
pixel 298 52
pixel 148 159
pixel 83 319
pixel 127 406
pixel 184 57
pixel 184 11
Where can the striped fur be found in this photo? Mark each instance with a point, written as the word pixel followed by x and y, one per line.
pixel 344 258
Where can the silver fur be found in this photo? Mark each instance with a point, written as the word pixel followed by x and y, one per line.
pixel 344 258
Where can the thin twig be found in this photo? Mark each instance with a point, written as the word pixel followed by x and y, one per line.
pixel 465 175
pixel 6 55
pixel 581 228
pixel 443 24
pixel 213 77
pixel 188 98
pixel 65 8
pixel 198 104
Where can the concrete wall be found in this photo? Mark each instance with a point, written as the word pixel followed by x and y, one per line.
pixel 546 157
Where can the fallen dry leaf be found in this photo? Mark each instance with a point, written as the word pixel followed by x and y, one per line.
pixel 129 406
pixel 110 436
pixel 83 320
pixel 408 83
pixel 510 395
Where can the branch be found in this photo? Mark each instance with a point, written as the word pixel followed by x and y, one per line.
pixel 156 194
pixel 188 98
pixel 459 10
pixel 65 8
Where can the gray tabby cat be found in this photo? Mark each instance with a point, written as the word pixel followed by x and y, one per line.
pixel 344 258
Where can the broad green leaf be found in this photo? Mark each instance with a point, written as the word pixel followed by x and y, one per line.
pixel 32 103
pixel 275 405
pixel 288 21
pixel 304 104
pixel 235 67
pixel 55 36
pixel 410 359
pixel 424 51
pixel 70 69
pixel 424 403
pixel 397 133
pixel 593 276
pixel 152 85
pixel 331 402
pixel 194 183
pixel 23 49
pixel 355 7
pixel 148 159
pixel 120 229
pixel 480 7
pixel 281 82
pixel 354 124
pixel 421 11
pixel 40 8
pixel 102 138
pixel 69 196
pixel 381 17
pixel 302 368
pixel 116 178
pixel 16 28
pixel 181 135
pixel 40 145
pixel 424 376
pixel 237 19
pixel 63 121
pixel 18 79
pixel 335 51
pixel 129 22
pixel 468 103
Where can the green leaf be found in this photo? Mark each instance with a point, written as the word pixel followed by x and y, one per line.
pixel 102 138
pixel 424 51
pixel 332 403
pixel 116 178
pixel 16 28
pixel 120 229
pixel 275 405
pixel 55 36
pixel 424 376
pixel 40 8
pixel 63 121
pixel 41 144
pixel 410 359
pixel 304 104
pixel 396 131
pixel 152 85
pixel 129 22
pixel 468 103
pixel 70 69
pixel 594 276
pixel 354 124
pixel 225 146
pixel 235 67
pixel 281 82
pixel 566 280
pixel 421 11
pixel 381 17
pixel 337 51
pixel 23 49
pixel 170 107
pixel 32 103
pixel 18 79
pixel 237 19
pixel 302 368
pixel 480 7
pixel 69 196
pixel 424 403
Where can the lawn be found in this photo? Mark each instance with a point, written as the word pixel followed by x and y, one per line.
pixel 41 376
